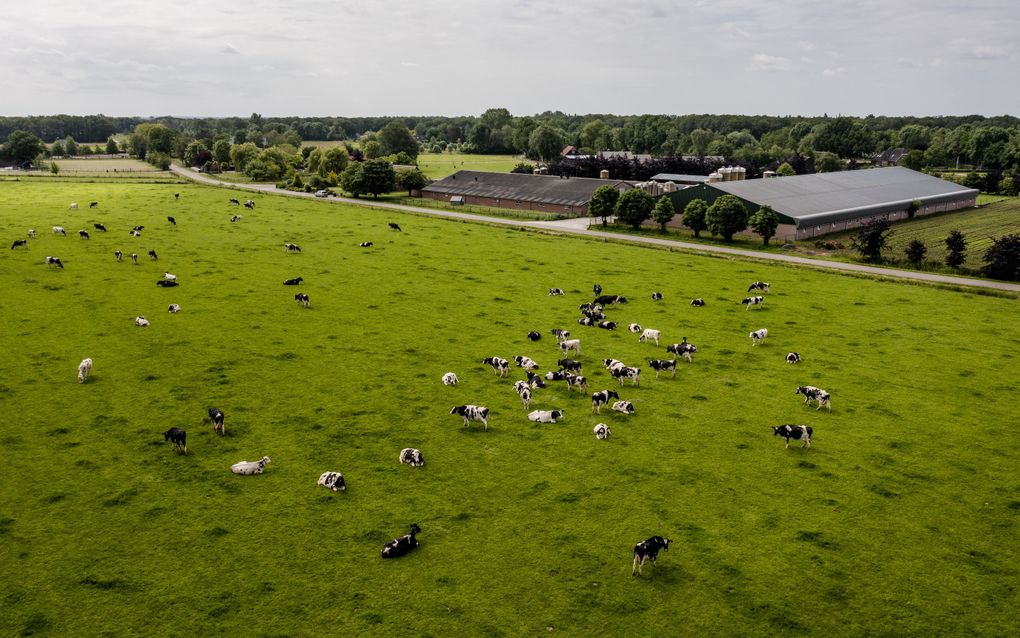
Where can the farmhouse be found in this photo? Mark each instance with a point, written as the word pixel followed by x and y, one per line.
pixel 519 191
pixel 811 205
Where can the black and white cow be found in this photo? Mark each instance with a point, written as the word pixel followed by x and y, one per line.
pixel 656 296
pixel 450 378
pixel 134 258
pixel 523 390
pixel 247 468
pixel 682 349
pixel 500 366
pixel 753 301
pixel 576 381
pixel 558 375
pixel 634 327
pixel 216 416
pixel 623 407
pixel 525 362
pixel 170 276
pixel 663 365
pixel 153 256
pixel 84 234
pixel 249 204
pixel 366 244
pixel 54 261
pixel 411 456
pixel 167 283
pixel 236 218
pixel 173 222
pixel 612 364
pixel 118 255
pixel 401 546
pixel 811 393
pixel 758 336
pixel 394 226
pixel 19 242
pixel 569 365
pixel 568 345
pixel 302 299
pixel 173 308
pixel 59 230
pixel 795 432
pixel 560 334
pixel 141 322
pixel 595 314
pixel 93 204
pixel 624 373
pixel 792 357
pixel 555 292
pixel 137 228
pixel 759 285
pixel 534 380
pixel 545 416
pixel 293 282
pixel 601 431
pixel 605 300
pixel 698 302
pixel 31 233
pixel 601 398
pixel 607 325
pixel 534 336
pixel 648 549
pixel 99 227
pixel 178 437
pixel 472 413
pixel 234 202
pixel 333 481
pixel 597 289
pixel 586 321
pixel 650 335
pixel 84 369
pixel 292 248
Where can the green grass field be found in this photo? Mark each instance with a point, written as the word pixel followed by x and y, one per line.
pixel 120 165
pixel 440 165
pixel 900 520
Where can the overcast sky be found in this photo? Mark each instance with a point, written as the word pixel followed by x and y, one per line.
pixel 447 57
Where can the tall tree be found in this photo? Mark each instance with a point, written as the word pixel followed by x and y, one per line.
pixel 871 238
pixel 764 223
pixel 700 139
pixel 634 207
pixel 22 146
pixel 334 160
pixel 241 154
pixel 57 148
pixel 663 212
pixel 378 177
pixel 111 146
pixel 395 137
pixel 1002 259
pixel 956 243
pixel 846 137
pixel 545 143
pixel 602 202
pixel 221 151
pixel 70 147
pixel 726 216
pixel 411 179
pixel 694 216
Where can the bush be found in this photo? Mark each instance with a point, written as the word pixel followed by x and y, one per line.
pixel 871 239
pixel 1002 260
pixel 916 251
pixel 956 243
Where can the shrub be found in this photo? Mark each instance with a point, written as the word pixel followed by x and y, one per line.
pixel 1002 259
pixel 871 238
pixel 956 243
pixel 916 251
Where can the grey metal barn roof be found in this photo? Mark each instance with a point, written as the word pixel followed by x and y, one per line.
pixel 680 179
pixel 521 187
pixel 810 200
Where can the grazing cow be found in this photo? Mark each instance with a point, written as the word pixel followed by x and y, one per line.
pixel 758 336
pixel 555 376
pixel 59 230
pixel 500 366
pixel 84 369
pixel 590 306
pixel 792 357
pixel 450 378
pixel 173 222
pixel 555 292
pixel 525 362
pixel 177 196
pixel 54 261
pixel 135 233
pixel 524 391
pixel 811 393
pixel 236 218
pixel 759 285
pixel 597 289
pixel 99 227
pixel 576 381
pixel 569 365
pixel 682 349
pixel 656 296
pixel 178 437
pixel 134 258
pixel 138 228
pixel 601 398
pixel 612 364
pixel 169 276
pixel 607 325
pixel 333 481
pixel 411 456
pixel 795 432
pixel 19 242
pixel 84 234
pixel 623 407
pixel 400 546
pixel 153 256
pixel 302 299
pixel 569 345
pixel 545 416
pixel 173 308
pixel 216 416
pixel 93 204
pixel 535 381
pixel 753 301
pixel 141 322
pixel 292 248
pixel 366 244
pixel 560 334
pixel 634 327
pixel 534 336
pixel 31 233
pixel 472 413
pixel 606 300
pixel 698 302
pixel 167 283
pixel 293 282
pixel 118 255
pixel 663 365
pixel 586 321
pixel 249 204
pixel 601 431
pixel 73 206
pixel 235 202
pixel 247 468
pixel 648 549
pixel 650 335
pixel 394 226
pixel 625 372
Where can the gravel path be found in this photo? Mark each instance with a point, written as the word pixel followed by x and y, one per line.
pixel 579 226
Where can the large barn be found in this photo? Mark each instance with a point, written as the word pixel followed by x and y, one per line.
pixel 520 191
pixel 812 205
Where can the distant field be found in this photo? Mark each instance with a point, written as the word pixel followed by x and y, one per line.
pixel 439 165
pixel 901 519
pixel 104 165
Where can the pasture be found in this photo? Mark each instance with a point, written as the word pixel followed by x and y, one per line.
pixel 900 519
pixel 440 165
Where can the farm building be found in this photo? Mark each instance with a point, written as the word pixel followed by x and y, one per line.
pixel 686 180
pixel 812 205
pixel 520 191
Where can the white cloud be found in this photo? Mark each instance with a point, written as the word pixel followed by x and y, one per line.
pixel 831 73
pixel 979 50
pixel 229 48
pixel 766 62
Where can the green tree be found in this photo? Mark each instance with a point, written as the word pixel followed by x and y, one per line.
pixel 785 170
pixel 377 177
pixel 956 244
pixel 694 216
pixel 871 238
pixel 524 168
pixel 70 147
pixel 57 149
pixel 764 223
pixel 602 202
pixel 1002 259
pixel 54 168
pixel 545 143
pixel 915 205
pixel 411 180
pixel 352 179
pixel 846 137
pixel 634 207
pixel 372 149
pixel 916 251
pixel 221 151
pixel 595 136
pixel 700 140
pixel 395 137
pixel 726 217
pixel 193 152
pixel 22 146
pixel 242 154
pixel 158 159
pixel 334 160
pixel 111 146
pixel 826 162
pixel 663 212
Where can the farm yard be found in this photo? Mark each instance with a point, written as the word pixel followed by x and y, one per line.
pixel 899 519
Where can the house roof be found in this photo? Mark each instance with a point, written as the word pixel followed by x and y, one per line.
pixel 681 179
pixel 829 197
pixel 546 189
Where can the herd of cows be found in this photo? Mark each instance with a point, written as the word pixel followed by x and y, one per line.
pixel 569 370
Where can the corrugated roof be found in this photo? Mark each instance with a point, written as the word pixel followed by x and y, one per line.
pixel 824 197
pixel 521 187
pixel 682 179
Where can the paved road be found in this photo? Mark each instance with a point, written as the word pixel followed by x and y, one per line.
pixel 579 226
